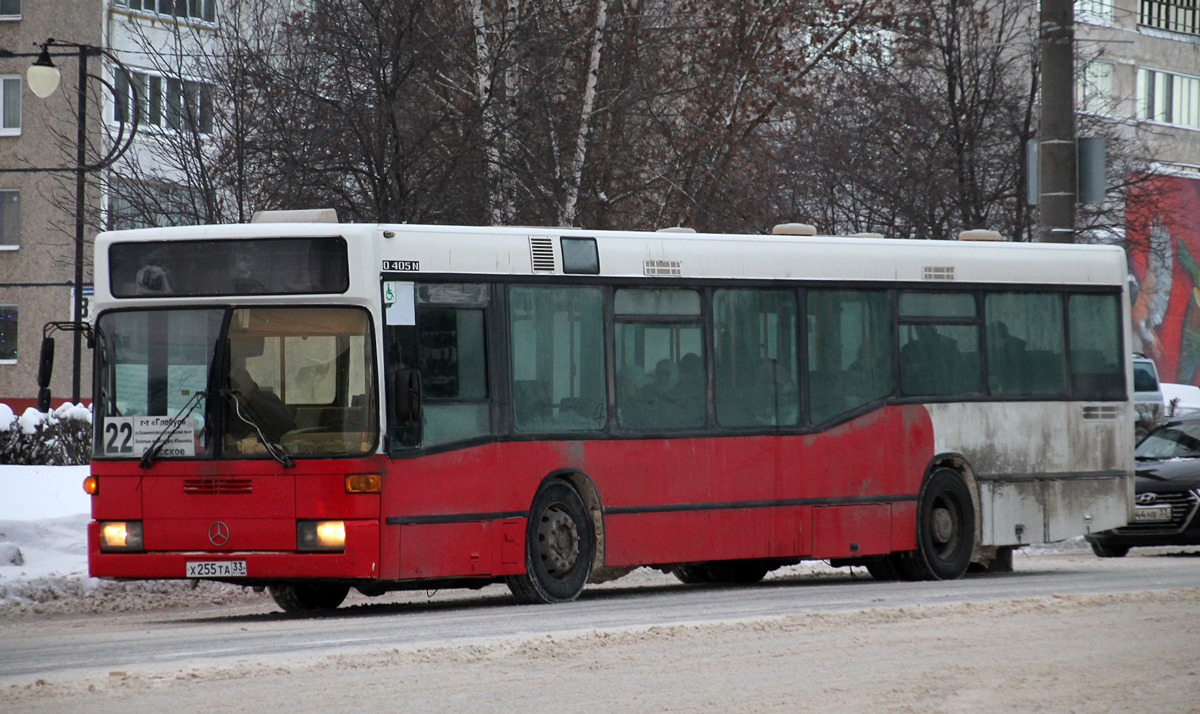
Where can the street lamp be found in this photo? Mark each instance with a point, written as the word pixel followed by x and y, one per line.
pixel 43 78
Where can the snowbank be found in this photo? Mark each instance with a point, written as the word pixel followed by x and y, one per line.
pixel 43 532
pixel 44 514
pixel 30 493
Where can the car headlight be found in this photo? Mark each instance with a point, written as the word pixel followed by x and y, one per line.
pixel 321 535
pixel 121 536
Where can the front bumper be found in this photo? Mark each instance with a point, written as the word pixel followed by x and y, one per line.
pixel 359 560
pixel 1182 529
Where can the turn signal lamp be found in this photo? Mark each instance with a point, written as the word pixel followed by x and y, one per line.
pixel 321 535
pixel 120 535
pixel 91 486
pixel 363 483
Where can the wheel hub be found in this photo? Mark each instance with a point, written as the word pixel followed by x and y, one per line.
pixel 943 525
pixel 558 541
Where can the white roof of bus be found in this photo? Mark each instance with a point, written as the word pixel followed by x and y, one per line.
pixel 507 251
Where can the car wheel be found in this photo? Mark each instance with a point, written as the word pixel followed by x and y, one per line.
pixel 1109 551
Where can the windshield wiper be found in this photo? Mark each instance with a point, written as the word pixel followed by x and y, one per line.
pixel 168 431
pixel 274 449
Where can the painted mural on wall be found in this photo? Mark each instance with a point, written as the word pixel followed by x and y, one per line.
pixel 1163 235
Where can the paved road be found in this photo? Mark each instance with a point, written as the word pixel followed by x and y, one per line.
pixel 90 645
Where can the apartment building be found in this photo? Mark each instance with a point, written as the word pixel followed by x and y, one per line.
pixel 154 39
pixel 1143 73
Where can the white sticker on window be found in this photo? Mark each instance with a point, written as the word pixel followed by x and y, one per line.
pixel 399 300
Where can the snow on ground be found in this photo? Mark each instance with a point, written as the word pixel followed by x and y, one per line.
pixel 44 514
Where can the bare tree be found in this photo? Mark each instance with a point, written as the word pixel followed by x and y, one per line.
pixel 926 139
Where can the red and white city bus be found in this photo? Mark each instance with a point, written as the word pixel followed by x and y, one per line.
pixel 314 407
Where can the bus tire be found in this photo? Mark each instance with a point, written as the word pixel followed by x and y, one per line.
pixel 559 547
pixel 308 597
pixel 882 567
pixel 692 574
pixel 945 530
pixel 740 572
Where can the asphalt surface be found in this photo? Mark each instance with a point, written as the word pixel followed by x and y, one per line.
pixel 98 644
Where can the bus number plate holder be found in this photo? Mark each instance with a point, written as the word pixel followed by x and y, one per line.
pixel 216 569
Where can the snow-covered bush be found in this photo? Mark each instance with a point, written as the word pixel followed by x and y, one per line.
pixel 62 437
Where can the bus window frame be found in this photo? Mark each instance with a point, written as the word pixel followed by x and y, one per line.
pixel 500 367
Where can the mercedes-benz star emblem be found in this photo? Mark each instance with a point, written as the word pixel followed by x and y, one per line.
pixel 218 533
pixel 1145 499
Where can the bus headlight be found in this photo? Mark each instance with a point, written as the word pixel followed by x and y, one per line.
pixel 121 535
pixel 321 535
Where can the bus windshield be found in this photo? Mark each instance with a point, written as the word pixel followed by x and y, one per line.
pixel 235 383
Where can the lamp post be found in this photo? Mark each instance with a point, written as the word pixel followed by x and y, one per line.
pixel 43 78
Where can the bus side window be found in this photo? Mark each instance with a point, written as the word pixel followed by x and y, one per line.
pixel 660 359
pixel 849 350
pixel 939 344
pixel 756 361
pixel 453 365
pixel 1025 350
pixel 557 343
pixel 1097 363
pixel 399 353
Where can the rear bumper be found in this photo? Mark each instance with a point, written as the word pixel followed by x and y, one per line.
pixel 359 561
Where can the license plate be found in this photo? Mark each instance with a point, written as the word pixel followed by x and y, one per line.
pixel 217 569
pixel 1150 514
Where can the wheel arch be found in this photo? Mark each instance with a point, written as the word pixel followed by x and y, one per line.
pixel 583 484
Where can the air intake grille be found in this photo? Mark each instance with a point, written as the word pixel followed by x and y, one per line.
pixel 662 267
pixel 218 486
pixel 1099 413
pixel 939 272
pixel 541 251
pixel 1183 508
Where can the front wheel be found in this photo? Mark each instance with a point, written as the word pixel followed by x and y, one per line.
pixel 308 597
pixel 559 547
pixel 945 530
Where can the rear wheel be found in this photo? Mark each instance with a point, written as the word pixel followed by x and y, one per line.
pixel 881 567
pixel 308 597
pixel 742 572
pixel 559 547
pixel 945 530
pixel 692 574
pixel 1109 551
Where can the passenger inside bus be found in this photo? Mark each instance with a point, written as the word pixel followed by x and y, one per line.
pixel 932 364
pixel 1009 367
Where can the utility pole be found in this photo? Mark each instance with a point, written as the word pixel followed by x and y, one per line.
pixel 1056 123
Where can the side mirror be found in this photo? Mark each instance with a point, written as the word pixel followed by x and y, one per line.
pixel 406 397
